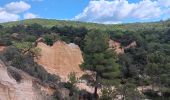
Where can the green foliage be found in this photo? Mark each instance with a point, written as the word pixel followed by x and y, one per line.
pixel 27 64
pixel 27 47
pixel 15 74
pixel 49 39
pixel 96 41
pixel 35 29
pixel 36 52
pixel 145 64
pixel 72 78
pixel 71 85
pixel 9 53
pixel 108 93
pixel 130 92
pixel 99 59
pixel 104 64
pixel 22 45
pixel 30 38
pixel 5 40
pixel 72 34
pixel 158 69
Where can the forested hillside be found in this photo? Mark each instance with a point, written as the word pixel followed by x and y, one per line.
pixel 142 71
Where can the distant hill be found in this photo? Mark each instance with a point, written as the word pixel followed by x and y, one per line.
pixel 49 22
pixel 53 22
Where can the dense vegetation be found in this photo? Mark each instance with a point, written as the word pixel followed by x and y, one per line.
pixel 147 64
pixel 99 59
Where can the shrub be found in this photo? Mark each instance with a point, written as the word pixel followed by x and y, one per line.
pixel 108 93
pixel 27 64
pixel 14 74
pixel 30 38
pixel 72 78
pixel 10 53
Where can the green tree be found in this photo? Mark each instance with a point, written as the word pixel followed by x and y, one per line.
pixel 158 69
pixel 99 59
pixel 35 29
pixel 72 78
pixel 129 91
pixel 49 39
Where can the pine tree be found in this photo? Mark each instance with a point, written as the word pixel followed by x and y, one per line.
pixel 99 59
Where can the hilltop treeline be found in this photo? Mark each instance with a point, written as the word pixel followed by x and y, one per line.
pixel 143 66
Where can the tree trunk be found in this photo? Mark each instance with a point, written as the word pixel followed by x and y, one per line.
pixel 96 87
pixel 95 92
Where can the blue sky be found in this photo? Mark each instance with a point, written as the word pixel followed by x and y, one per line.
pixel 98 11
pixel 58 9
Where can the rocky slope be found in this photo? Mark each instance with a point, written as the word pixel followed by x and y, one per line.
pixel 61 58
pixel 26 89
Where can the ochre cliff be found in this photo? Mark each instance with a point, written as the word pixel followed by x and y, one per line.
pixel 61 58
pixel 116 46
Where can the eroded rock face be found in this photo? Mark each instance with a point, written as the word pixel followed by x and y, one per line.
pixel 116 46
pixel 2 48
pixel 61 59
pixel 10 89
pixel 131 45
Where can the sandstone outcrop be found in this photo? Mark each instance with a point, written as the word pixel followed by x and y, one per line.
pixel 61 59
pixel 118 48
pixel 10 89
pixel 131 45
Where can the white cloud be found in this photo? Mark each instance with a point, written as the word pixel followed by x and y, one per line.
pixel 17 7
pixel 14 10
pixel 165 3
pixel 115 11
pixel 146 9
pixel 5 16
pixel 30 16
